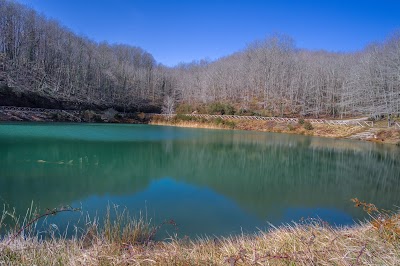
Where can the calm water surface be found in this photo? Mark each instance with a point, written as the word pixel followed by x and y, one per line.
pixel 213 182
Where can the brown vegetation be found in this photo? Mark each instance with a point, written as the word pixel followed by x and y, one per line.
pixel 388 136
pixel 125 241
pixel 41 59
pixel 321 130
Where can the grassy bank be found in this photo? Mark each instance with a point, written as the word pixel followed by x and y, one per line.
pixel 129 241
pixel 391 136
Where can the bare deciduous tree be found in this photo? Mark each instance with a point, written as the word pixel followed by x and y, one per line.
pixel 271 75
pixel 168 107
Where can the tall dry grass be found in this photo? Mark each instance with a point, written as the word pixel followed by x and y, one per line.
pixel 129 241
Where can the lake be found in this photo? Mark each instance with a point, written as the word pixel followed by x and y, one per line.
pixel 210 182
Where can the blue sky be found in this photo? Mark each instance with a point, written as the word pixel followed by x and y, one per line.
pixel 185 30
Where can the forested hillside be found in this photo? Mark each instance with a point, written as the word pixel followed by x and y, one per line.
pixel 270 77
pixel 276 76
pixel 41 56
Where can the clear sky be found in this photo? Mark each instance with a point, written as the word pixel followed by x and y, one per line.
pixel 185 30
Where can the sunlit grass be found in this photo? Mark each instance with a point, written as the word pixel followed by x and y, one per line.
pixel 126 240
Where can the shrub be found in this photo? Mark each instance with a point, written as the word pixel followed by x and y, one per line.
pixel 383 221
pixel 220 108
pixel 110 113
pixel 181 117
pixel 398 144
pixel 301 121
pixel 97 118
pixel 308 126
pixel 291 127
pixel 218 121
pixel 184 109
pixel 230 124
pixel 56 116
pixel 384 134
pixel 216 108
pixel 140 115
pixel 229 109
pixel 246 112
pixel 88 115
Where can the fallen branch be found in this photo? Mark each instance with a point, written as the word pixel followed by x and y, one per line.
pixel 38 217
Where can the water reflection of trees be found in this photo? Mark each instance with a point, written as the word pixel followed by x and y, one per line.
pixel 293 175
pixel 261 172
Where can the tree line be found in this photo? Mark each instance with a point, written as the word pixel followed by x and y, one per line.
pixel 271 76
pixel 274 76
pixel 42 56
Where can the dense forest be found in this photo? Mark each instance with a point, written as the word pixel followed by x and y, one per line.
pixel 269 77
pixel 41 56
pixel 281 79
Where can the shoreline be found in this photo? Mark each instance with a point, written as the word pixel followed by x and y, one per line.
pixel 313 242
pixel 381 134
pixel 319 130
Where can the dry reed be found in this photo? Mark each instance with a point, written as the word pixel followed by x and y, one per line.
pixel 129 241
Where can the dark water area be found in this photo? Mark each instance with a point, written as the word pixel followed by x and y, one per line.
pixel 211 182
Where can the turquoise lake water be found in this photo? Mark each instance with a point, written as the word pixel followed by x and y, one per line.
pixel 211 182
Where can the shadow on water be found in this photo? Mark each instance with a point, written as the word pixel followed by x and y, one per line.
pixel 208 181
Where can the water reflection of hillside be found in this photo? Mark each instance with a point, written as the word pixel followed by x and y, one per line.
pixel 263 173
pixel 294 174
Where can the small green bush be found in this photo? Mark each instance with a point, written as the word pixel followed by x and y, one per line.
pixel 230 124
pixel 184 109
pixel 291 127
pixel 181 117
pixel 220 108
pixel 308 126
pixel 218 121
pixel 245 112
pixel 97 118
pixel 301 121
pixel 216 108
pixel 229 109
pixel 398 144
